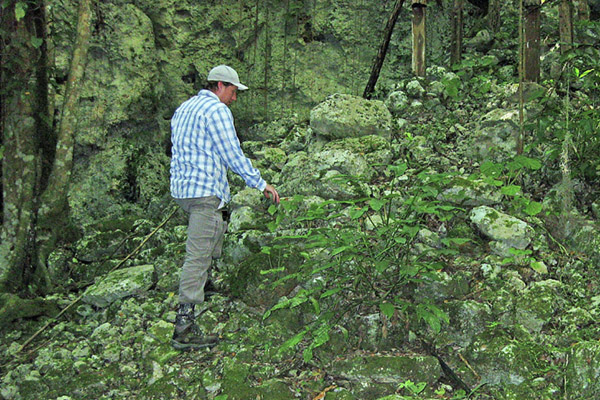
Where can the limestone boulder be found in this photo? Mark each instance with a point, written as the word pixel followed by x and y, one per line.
pixel 583 370
pixel 330 174
pixel 505 230
pixel 342 116
pixel 120 284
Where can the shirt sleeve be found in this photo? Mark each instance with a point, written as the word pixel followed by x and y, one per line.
pixel 227 146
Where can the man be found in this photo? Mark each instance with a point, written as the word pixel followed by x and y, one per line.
pixel 205 146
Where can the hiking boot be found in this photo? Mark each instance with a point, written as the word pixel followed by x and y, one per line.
pixel 187 335
pixel 192 338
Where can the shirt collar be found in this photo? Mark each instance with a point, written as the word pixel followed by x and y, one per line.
pixel 206 92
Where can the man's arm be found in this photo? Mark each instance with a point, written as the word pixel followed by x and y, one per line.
pixel 228 147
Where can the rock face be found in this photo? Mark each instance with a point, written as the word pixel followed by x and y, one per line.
pixel 342 116
pixel 119 284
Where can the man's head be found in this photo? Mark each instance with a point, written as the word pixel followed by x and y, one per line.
pixel 225 82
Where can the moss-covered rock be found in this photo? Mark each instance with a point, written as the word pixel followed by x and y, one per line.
pixel 537 305
pixel 12 307
pixel 583 371
pixel 329 174
pixel 466 192
pixel 494 137
pixel 372 374
pixel 509 231
pixel 468 318
pixel 502 357
pixel 119 284
pixel 343 116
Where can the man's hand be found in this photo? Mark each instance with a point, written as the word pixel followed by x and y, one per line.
pixel 271 193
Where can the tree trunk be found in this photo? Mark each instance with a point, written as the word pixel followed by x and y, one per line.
pixel 419 63
pixel 35 203
pixel 565 25
pixel 381 53
pixel 54 210
pixel 582 9
pixel 531 52
pixel 457 32
pixel 20 163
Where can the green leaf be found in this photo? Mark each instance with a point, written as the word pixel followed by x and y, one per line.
pixel 527 162
pixel 398 170
pixel 272 209
pixel 356 213
pixel 491 169
pixel 330 293
pixel 272 225
pixel 293 341
pixel 321 336
pixel 272 270
pixel 533 208
pixel 382 265
pixel 376 204
pixel 315 304
pixel 519 252
pixel 539 267
pixel 387 309
pixel 37 42
pixel 266 250
pixel 340 249
pixel 452 86
pixel 432 320
pixel 510 190
pixel 585 73
pixel 20 9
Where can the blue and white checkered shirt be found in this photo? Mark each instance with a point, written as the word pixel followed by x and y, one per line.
pixel 205 145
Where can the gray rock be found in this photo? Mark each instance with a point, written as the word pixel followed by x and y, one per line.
pixel 482 40
pixel 377 375
pixel 469 318
pixel 119 284
pixel 397 101
pixel 583 370
pixel 245 218
pixel 500 359
pixel 323 174
pixel 510 231
pixel 344 115
pixel 537 305
pixel 467 192
pixel 494 136
pixel 415 89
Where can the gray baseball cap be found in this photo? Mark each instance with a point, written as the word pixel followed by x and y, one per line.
pixel 224 73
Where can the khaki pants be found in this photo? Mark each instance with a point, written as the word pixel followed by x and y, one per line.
pixel 204 243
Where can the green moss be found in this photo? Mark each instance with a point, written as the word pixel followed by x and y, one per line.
pixel 12 307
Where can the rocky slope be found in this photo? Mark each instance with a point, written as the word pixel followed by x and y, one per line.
pixel 414 255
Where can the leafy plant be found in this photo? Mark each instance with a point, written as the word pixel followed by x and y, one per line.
pixel 572 125
pixel 506 177
pixel 360 254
